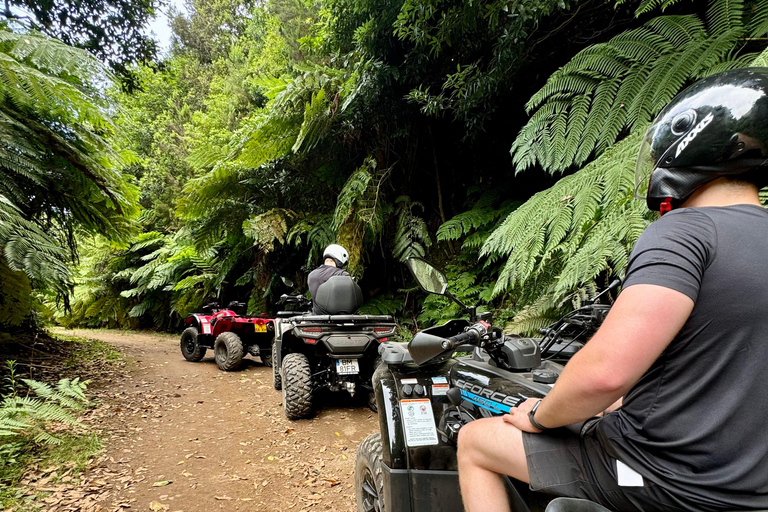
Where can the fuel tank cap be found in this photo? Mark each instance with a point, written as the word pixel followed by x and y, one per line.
pixel 544 376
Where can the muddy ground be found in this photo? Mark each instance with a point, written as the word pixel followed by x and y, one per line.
pixel 183 436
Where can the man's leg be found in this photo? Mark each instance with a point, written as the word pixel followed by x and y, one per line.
pixel 489 448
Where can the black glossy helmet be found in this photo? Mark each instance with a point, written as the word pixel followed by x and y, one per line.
pixel 716 127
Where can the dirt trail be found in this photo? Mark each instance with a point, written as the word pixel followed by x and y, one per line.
pixel 220 438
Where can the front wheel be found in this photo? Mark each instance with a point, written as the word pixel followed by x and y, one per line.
pixel 189 347
pixel 369 480
pixel 228 350
pixel 297 386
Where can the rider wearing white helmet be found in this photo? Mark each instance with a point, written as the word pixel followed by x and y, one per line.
pixel 335 257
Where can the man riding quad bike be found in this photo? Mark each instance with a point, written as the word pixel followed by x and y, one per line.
pixel 229 334
pixel 664 407
pixel 330 348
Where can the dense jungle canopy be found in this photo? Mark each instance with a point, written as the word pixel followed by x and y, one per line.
pixel 496 139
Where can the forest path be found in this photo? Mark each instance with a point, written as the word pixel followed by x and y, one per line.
pixel 220 438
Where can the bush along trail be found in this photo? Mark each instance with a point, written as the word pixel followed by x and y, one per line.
pixel 183 436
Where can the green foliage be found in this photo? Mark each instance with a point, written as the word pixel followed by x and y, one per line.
pixel 412 236
pixel 114 30
pixel 58 171
pixel 16 299
pixel 466 284
pixel 486 44
pixel 474 225
pixel 26 419
pixel 610 88
pixel 38 424
pixel 556 245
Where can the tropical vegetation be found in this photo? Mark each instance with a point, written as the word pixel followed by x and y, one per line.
pixel 496 139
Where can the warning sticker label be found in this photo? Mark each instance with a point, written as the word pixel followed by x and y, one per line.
pixel 418 422
pixel 439 389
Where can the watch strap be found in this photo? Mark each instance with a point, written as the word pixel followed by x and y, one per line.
pixel 533 420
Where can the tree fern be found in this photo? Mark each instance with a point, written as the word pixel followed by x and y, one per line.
pixel 620 85
pixel 30 418
pixel 412 236
pixel 556 244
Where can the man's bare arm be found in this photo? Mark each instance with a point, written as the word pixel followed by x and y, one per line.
pixel 640 325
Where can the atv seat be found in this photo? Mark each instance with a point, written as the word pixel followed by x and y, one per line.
pixel 574 505
pixel 338 295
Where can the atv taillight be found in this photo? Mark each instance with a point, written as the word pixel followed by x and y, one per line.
pixel 382 340
pixel 312 329
pixel 383 330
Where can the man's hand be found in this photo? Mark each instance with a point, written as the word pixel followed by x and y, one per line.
pixel 518 416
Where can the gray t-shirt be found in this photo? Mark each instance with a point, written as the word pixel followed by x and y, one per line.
pixel 695 423
pixel 317 277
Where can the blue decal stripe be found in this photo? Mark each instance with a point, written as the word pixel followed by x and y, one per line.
pixel 490 405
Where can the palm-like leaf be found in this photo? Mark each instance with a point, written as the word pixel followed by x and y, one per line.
pixel 618 86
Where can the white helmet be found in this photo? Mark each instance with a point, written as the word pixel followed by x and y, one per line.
pixel 337 253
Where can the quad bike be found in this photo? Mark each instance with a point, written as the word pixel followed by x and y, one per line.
pixel 230 335
pixel 335 352
pixel 425 396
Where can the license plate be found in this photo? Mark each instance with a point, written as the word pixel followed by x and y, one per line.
pixel 260 328
pixel 347 367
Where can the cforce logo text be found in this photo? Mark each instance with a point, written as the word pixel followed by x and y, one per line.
pixel 488 393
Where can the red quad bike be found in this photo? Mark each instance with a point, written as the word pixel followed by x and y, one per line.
pixel 229 334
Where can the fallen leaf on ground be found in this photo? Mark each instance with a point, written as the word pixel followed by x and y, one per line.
pixel 162 483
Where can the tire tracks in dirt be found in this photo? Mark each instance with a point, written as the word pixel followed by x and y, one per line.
pixel 188 437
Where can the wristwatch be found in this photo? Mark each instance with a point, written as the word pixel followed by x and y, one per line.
pixel 533 421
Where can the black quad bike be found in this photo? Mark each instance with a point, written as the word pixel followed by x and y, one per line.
pixel 337 352
pixel 229 334
pixel 425 396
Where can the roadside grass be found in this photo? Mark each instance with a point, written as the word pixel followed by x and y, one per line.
pixel 86 350
pixel 25 461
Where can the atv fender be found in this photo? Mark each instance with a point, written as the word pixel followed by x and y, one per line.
pixel 202 322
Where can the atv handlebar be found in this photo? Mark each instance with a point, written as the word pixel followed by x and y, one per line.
pixel 473 335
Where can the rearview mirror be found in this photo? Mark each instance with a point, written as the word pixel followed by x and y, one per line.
pixel 429 277
pixel 287 282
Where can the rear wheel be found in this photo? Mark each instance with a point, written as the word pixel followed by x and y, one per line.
pixel 297 386
pixel 189 347
pixel 277 382
pixel 228 350
pixel 369 480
